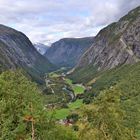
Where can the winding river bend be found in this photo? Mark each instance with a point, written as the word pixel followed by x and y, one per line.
pixel 71 93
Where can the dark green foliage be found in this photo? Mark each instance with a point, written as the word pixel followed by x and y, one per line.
pixel 59 96
pixel 75 127
pixel 106 119
pixel 21 105
pixel 126 80
pixel 74 117
pixel 86 100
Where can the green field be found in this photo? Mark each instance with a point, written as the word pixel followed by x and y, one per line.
pixel 78 89
pixel 63 113
pixel 69 81
pixel 53 75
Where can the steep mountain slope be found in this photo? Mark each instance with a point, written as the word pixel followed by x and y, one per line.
pixel 67 51
pixel 115 45
pixel 41 48
pixel 16 51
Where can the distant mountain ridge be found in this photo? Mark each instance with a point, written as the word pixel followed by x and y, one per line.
pixel 67 51
pixel 16 51
pixel 41 48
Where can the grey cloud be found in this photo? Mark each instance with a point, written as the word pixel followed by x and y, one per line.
pixel 50 20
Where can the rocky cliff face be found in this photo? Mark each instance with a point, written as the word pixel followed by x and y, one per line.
pixel 115 45
pixel 67 51
pixel 16 51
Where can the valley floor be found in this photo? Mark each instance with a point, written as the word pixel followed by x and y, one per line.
pixel 72 105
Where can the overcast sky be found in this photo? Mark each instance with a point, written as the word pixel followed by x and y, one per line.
pixel 49 20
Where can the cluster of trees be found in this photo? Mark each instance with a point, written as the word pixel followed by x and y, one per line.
pixel 22 112
pixel 114 112
pixel 106 119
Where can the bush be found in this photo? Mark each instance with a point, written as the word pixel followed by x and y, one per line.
pixel 74 117
pixel 75 128
pixel 87 101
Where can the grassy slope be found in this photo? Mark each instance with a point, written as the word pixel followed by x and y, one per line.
pixel 83 75
pixel 114 76
pixel 78 89
pixel 105 79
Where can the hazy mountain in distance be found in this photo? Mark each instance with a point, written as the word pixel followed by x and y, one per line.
pixel 67 51
pixel 41 48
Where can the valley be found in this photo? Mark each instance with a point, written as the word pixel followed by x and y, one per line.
pixel 110 85
pixel 83 88
pixel 70 89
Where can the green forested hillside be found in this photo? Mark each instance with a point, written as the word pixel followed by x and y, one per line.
pixel 124 76
pixel 116 101
pixel 23 115
pixel 113 115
